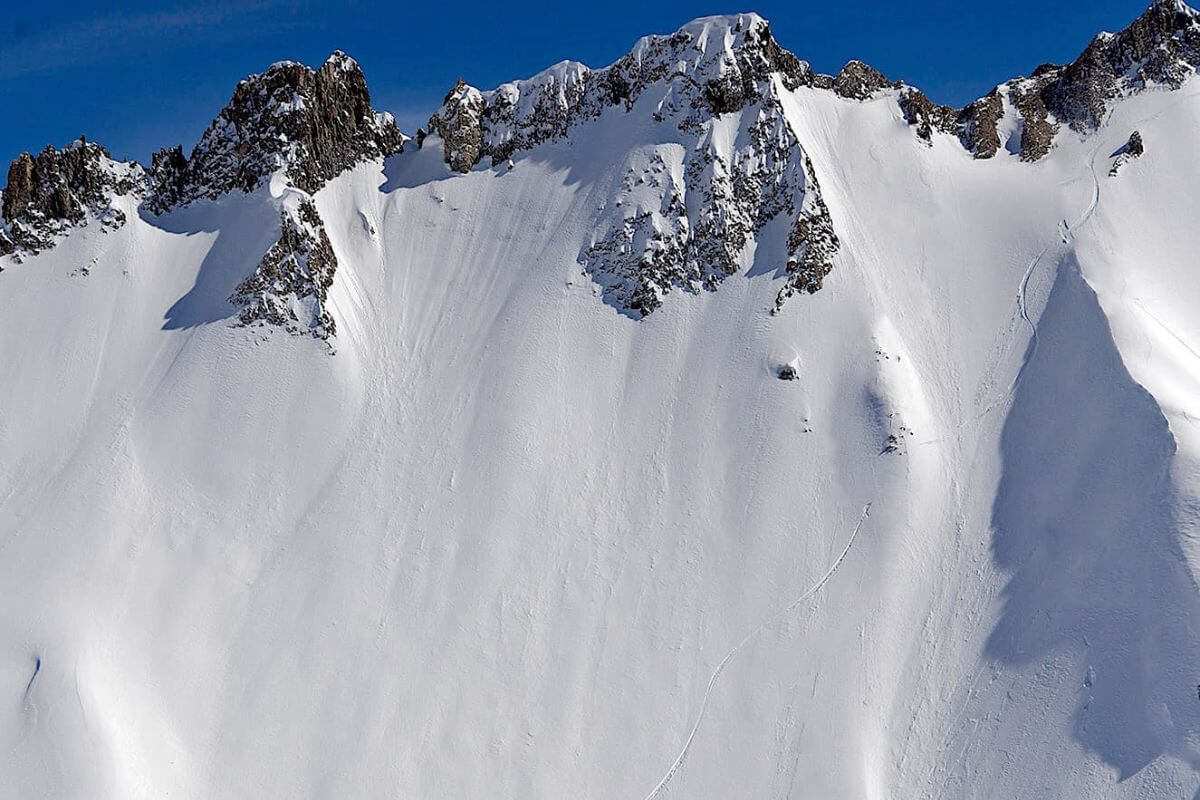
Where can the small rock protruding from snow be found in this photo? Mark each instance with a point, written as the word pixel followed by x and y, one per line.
pixel 787 372
pixel 896 442
pixel 1133 148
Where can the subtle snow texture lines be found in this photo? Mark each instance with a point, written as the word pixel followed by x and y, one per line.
pixel 508 527
pixel 768 622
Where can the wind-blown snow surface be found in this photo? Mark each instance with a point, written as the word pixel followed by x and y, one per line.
pixel 501 542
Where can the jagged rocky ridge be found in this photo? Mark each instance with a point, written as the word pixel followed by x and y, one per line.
pixel 311 124
pixel 55 190
pixel 691 234
pixel 675 222
pixel 1160 48
pixel 306 125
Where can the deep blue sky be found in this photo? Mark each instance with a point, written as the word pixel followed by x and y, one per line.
pixel 137 75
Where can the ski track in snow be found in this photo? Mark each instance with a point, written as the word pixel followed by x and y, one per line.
pixel 1023 307
pixel 477 402
pixel 37 667
pixel 1167 328
pixel 1023 311
pixel 1067 235
pixel 816 587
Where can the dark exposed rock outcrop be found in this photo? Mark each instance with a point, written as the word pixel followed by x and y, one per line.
pixel 1037 129
pixel 686 226
pixel 975 125
pixel 290 286
pixel 1133 148
pixel 812 244
pixel 678 225
pixel 978 125
pixel 51 192
pixel 460 124
pixel 926 116
pixel 308 125
pixel 312 124
pixel 702 79
pixel 168 176
pixel 858 81
pixel 1160 48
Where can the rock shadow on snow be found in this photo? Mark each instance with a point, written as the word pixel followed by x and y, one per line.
pixel 244 227
pixel 415 167
pixel 1084 520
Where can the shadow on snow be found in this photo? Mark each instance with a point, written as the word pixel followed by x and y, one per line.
pixel 243 228
pixel 1085 520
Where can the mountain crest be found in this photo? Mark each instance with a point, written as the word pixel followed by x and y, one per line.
pixel 312 124
pixel 57 189
pixel 681 219
pixel 712 65
pixel 1160 48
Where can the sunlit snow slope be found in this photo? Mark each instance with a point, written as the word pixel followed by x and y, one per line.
pixel 507 542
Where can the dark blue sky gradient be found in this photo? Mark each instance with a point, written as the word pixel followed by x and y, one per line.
pixel 135 75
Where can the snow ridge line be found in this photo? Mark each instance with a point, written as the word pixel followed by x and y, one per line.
pixel 816 587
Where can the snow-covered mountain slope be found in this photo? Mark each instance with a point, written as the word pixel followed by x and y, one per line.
pixel 498 532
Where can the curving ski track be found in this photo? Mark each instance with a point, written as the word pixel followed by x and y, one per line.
pixel 816 587
pixel 1067 234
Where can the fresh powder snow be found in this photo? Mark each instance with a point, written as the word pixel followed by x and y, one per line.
pixel 372 479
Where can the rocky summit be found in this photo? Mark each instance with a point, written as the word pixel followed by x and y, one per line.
pixel 311 125
pixel 677 221
pixel 57 189
pixel 1161 48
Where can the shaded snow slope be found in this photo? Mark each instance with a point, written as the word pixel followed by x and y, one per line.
pixel 509 542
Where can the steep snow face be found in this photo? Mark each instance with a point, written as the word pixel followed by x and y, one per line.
pixel 510 542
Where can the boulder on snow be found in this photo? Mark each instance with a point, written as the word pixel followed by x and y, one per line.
pixel 1132 148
